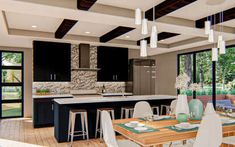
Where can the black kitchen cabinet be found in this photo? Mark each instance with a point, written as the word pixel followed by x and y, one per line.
pixel 43 112
pixel 52 61
pixel 113 64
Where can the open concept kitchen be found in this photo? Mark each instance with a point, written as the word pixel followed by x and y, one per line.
pixel 117 73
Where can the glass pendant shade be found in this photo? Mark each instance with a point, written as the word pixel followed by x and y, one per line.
pixel 138 18
pixel 211 36
pixel 153 38
pixel 214 54
pixel 143 48
pixel 222 49
pixel 220 39
pixel 144 30
pixel 207 27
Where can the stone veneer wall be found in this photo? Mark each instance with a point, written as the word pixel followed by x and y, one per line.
pixel 81 80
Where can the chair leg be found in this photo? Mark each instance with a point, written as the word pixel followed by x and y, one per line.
pixel 157 110
pixel 97 122
pixel 82 122
pixel 131 113
pixel 122 111
pixel 161 109
pixel 113 116
pixel 73 126
pixel 127 113
pixel 69 126
pixel 86 125
pixel 101 131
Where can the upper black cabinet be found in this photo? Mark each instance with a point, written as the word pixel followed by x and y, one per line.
pixel 52 61
pixel 113 63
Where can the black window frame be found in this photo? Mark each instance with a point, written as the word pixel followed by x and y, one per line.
pixel 12 84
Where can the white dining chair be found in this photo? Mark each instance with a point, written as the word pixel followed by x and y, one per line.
pixel 109 134
pixel 209 133
pixel 169 109
pixel 142 109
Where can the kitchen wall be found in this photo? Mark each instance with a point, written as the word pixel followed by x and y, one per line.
pixel 83 80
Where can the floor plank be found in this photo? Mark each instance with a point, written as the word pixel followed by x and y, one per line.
pixel 22 130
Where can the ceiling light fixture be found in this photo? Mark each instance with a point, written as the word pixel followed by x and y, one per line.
pixel 138 16
pixel 143 48
pixel 127 36
pixel 87 32
pixel 211 36
pixel 153 37
pixel 144 30
pixel 214 54
pixel 34 26
pixel 207 27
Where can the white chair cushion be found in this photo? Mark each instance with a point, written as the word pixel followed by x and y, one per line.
pixel 229 140
pixel 126 143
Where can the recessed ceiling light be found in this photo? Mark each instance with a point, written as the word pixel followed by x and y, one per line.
pixel 127 36
pixel 34 26
pixel 87 32
pixel 162 40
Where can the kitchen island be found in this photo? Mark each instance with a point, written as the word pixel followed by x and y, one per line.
pixel 62 107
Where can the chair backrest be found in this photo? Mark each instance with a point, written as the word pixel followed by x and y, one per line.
pixel 210 132
pixel 142 109
pixel 107 128
pixel 173 106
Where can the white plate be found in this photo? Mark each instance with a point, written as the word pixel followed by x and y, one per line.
pixel 190 126
pixel 227 120
pixel 232 115
pixel 141 128
pixel 140 125
pixel 160 117
pixel 130 125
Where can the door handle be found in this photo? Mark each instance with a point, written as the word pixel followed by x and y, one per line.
pixel 113 77
pixel 116 77
pixel 54 76
pixel 52 107
pixel 50 76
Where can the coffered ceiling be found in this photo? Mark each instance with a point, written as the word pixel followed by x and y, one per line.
pixel 27 20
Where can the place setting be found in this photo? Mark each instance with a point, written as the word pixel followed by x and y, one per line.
pixel 137 127
pixel 183 127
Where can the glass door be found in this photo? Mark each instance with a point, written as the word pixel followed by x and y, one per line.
pixel 11 85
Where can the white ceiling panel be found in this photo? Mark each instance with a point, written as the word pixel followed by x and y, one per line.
pixel 176 39
pixel 95 29
pixel 200 9
pixel 25 22
pixel 131 4
pixel 230 23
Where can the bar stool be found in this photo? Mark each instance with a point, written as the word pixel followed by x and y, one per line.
pixel 155 108
pixel 71 128
pixel 167 107
pixel 98 119
pixel 128 111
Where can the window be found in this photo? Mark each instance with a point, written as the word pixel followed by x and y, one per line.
pixel 11 84
pixel 216 78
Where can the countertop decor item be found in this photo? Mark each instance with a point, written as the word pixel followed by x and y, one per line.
pixel 183 83
pixel 196 109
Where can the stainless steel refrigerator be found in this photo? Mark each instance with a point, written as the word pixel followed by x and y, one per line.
pixel 142 74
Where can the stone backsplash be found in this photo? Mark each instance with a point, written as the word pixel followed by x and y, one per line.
pixel 81 80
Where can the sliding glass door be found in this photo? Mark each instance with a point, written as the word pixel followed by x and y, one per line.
pixel 217 79
pixel 11 85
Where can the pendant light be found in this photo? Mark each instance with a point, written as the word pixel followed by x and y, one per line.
pixel 207 27
pixel 144 30
pixel 138 16
pixel 214 54
pixel 153 37
pixel 222 49
pixel 143 48
pixel 211 36
pixel 220 39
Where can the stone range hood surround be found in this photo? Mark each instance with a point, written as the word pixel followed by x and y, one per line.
pixel 81 79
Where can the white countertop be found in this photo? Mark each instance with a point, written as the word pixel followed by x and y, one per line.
pixel 52 96
pixel 112 99
pixel 116 94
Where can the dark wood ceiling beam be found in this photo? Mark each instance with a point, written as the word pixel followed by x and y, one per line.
pixel 215 18
pixel 166 7
pixel 64 28
pixel 85 4
pixel 115 33
pixel 161 36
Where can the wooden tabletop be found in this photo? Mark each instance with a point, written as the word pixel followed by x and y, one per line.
pixel 162 136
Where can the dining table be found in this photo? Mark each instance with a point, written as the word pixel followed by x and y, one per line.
pixel 163 131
